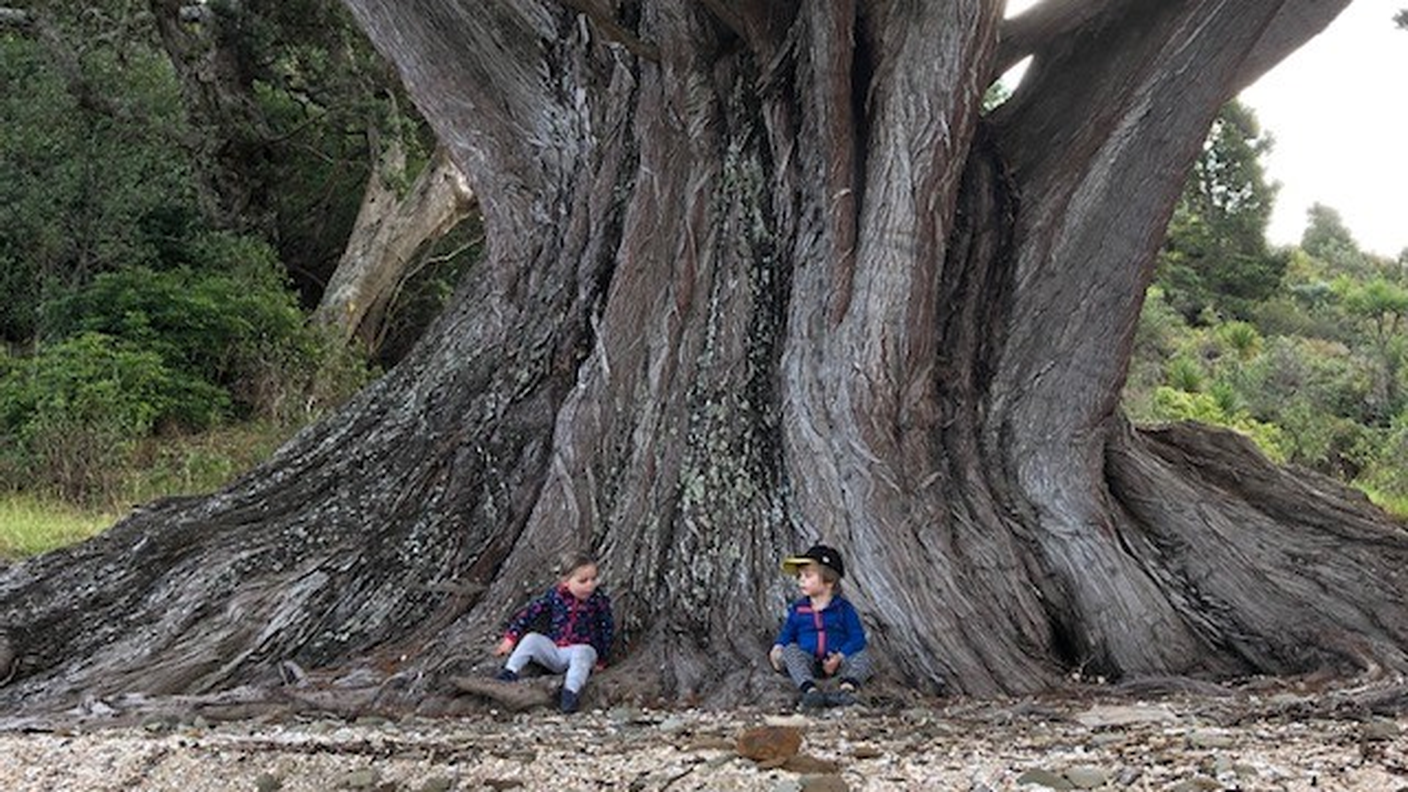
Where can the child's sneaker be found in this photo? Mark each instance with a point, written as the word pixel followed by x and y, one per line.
pixel 813 698
pixel 841 698
pixel 506 675
pixel 844 696
pixel 570 700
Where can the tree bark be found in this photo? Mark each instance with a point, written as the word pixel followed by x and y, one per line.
pixel 390 228
pixel 765 276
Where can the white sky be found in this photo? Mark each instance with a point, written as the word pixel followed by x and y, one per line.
pixel 1337 109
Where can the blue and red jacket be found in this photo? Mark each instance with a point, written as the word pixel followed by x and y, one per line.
pixel 566 620
pixel 835 628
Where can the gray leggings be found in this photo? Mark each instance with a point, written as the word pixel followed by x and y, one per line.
pixel 577 660
pixel 803 666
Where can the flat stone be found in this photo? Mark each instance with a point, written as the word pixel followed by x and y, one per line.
pixel 1210 739
pixel 1125 715
pixel 1380 730
pixel 823 783
pixel 1045 778
pixel 769 744
pixel 1086 777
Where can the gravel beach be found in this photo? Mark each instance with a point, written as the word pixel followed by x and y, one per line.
pixel 1180 744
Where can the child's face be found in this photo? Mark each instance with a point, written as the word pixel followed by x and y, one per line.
pixel 811 582
pixel 581 582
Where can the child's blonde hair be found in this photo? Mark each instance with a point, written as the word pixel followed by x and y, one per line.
pixel 572 561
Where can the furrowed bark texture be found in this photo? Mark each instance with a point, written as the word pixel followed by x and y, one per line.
pixel 761 274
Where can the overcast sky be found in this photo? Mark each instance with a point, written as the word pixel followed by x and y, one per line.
pixel 1337 109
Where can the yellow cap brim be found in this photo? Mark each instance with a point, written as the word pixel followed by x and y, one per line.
pixel 791 565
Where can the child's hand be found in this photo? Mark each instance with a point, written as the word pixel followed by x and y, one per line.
pixel 505 646
pixel 832 662
pixel 775 657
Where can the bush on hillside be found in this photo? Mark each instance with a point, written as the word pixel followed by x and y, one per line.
pixel 72 414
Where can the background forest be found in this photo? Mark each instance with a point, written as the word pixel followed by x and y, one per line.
pixel 179 185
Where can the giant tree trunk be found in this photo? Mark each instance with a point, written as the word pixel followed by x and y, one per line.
pixel 759 273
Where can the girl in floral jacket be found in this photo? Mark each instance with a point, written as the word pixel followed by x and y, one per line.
pixel 576 626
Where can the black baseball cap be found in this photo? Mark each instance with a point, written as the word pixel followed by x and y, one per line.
pixel 816 554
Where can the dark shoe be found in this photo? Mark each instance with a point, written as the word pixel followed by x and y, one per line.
pixel 841 698
pixel 845 695
pixel 813 698
pixel 570 701
pixel 506 675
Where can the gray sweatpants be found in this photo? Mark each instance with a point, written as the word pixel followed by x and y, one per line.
pixel 803 666
pixel 576 660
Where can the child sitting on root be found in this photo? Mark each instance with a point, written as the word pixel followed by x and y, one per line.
pixel 578 633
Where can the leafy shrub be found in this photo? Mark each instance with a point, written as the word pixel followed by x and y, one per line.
pixel 231 323
pixel 1386 469
pixel 1170 404
pixel 1185 374
pixel 1241 338
pixel 74 412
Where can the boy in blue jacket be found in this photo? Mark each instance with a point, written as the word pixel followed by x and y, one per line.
pixel 822 634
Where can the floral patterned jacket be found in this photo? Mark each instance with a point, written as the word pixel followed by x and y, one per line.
pixel 566 620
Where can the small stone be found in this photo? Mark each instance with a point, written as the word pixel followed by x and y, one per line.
pixel 1121 715
pixel 1086 777
pixel 823 783
pixel 1210 739
pixel 1044 778
pixel 795 721
pixel 810 765
pixel 673 725
pixel 267 782
pixel 1379 730
pixel 159 724
pixel 360 779
pixel 1285 700
pixel 437 784
pixel 622 715
pixel 863 752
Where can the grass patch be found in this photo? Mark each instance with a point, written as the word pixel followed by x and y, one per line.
pixel 30 525
pixel 200 463
pixel 195 464
pixel 1395 505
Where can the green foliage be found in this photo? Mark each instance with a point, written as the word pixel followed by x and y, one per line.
pixel 178 349
pixel 1186 374
pixel 1242 338
pixel 82 182
pixel 129 323
pixel 1171 404
pixel 230 323
pixel 1327 239
pixel 73 413
pixel 1215 261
